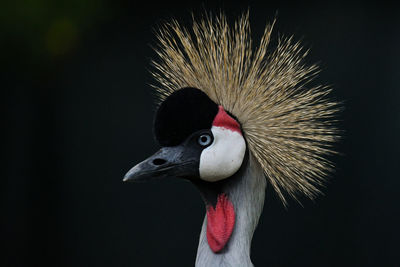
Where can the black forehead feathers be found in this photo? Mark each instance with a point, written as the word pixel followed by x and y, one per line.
pixel 182 113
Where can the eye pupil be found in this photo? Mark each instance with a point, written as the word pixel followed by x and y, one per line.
pixel 204 140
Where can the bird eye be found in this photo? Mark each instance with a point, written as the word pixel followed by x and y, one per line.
pixel 204 140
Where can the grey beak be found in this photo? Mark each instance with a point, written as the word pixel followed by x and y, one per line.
pixel 168 161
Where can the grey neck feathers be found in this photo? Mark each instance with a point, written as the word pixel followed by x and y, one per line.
pixel 246 190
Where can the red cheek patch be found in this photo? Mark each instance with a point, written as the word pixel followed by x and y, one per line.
pixel 220 223
pixel 222 119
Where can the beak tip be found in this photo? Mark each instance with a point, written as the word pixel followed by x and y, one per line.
pixel 127 177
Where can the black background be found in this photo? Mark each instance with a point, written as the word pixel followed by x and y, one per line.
pixel 78 114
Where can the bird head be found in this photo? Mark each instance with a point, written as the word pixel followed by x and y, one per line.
pixel 223 102
pixel 199 140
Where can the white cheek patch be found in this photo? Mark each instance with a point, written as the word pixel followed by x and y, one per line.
pixel 224 157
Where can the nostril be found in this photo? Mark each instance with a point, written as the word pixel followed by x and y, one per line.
pixel 159 161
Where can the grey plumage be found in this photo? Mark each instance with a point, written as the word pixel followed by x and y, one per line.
pixel 246 190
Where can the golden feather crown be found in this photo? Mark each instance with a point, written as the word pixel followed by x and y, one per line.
pixel 289 128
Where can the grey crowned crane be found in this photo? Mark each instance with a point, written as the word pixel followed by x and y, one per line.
pixel 231 119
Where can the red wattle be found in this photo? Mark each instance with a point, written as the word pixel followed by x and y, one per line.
pixel 220 223
pixel 222 119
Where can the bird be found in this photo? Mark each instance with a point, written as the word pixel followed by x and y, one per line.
pixel 232 118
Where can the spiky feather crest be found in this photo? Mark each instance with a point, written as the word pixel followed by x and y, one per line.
pixel 289 128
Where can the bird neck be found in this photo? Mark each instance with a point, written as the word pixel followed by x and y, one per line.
pixel 246 191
